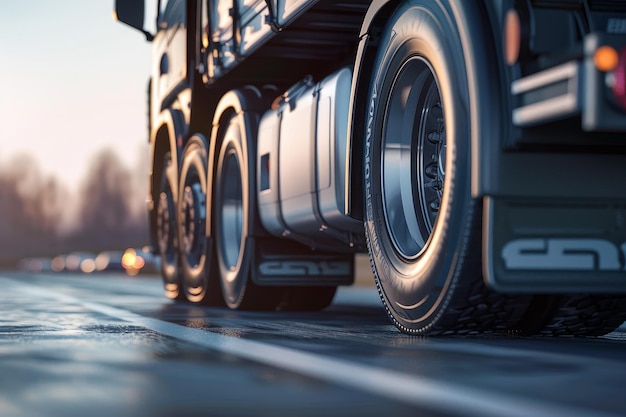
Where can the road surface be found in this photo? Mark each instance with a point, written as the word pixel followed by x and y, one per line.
pixel 112 345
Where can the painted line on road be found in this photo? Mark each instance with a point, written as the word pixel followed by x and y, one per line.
pixel 411 389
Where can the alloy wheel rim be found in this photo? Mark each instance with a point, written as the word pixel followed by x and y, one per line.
pixel 413 158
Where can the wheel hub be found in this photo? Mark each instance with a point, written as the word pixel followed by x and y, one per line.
pixel 193 218
pixel 232 213
pixel 163 220
pixel 189 219
pixel 413 157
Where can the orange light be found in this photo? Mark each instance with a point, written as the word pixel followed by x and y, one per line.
pixel 139 263
pixel 132 262
pixel 606 58
pixel 512 37
pixel 129 258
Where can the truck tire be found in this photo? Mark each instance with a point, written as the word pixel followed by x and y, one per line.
pixel 423 227
pixel 166 233
pixel 585 315
pixel 234 217
pixel 197 283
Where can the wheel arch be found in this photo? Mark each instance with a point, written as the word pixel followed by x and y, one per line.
pixel 166 138
pixel 373 23
pixel 245 104
pixel 489 99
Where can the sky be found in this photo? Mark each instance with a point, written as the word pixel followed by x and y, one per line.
pixel 72 82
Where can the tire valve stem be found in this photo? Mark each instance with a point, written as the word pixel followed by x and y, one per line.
pixel 434 205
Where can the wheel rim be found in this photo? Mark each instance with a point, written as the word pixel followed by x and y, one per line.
pixel 231 218
pixel 413 158
pixel 165 227
pixel 193 242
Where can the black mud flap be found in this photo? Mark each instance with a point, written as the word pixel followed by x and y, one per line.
pixel 554 247
pixel 282 262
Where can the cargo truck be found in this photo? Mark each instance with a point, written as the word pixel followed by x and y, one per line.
pixel 475 150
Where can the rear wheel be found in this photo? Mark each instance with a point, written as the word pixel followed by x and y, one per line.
pixel 234 223
pixel 166 232
pixel 195 256
pixel 587 315
pixel 422 224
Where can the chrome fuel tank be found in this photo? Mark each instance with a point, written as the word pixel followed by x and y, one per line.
pixel 301 162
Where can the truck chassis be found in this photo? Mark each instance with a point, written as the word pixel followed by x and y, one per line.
pixel 475 151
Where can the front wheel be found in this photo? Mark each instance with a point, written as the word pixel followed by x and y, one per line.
pixel 422 224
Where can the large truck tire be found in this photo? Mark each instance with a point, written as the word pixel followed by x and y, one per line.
pixel 195 254
pixel 573 315
pixel 422 225
pixel 166 232
pixel 587 315
pixel 234 219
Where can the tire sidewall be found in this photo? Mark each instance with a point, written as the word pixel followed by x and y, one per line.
pixel 420 28
pixel 194 277
pixel 233 280
pixel 169 267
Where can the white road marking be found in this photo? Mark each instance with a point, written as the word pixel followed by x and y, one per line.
pixel 411 389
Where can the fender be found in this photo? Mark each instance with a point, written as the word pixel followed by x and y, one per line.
pixel 490 106
pixel 166 135
pixel 373 22
pixel 246 104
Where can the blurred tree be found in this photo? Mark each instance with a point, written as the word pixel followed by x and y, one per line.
pixel 11 209
pixel 55 200
pixel 34 209
pixel 35 196
pixel 105 198
pixel 30 209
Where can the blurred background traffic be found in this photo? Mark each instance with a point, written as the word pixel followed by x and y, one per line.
pixel 132 261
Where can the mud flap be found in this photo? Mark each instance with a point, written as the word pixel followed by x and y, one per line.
pixel 282 262
pixel 538 246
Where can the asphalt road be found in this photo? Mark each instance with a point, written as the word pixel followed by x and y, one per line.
pixel 111 345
